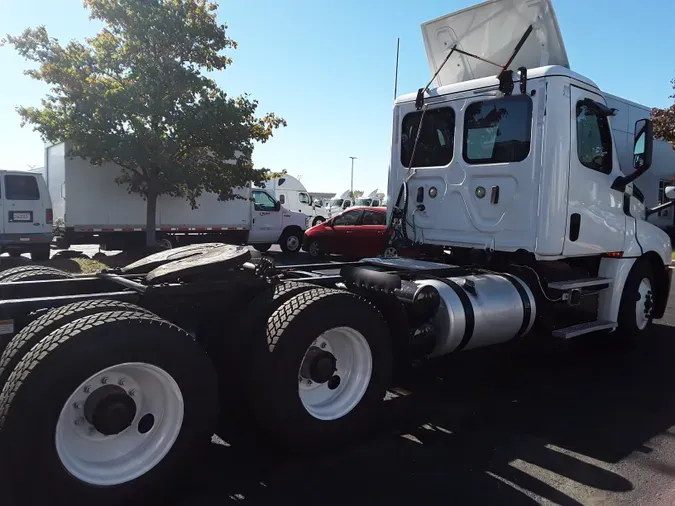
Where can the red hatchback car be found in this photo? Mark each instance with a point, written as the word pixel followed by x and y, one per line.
pixel 358 232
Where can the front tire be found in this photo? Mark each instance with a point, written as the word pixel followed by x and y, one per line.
pixel 295 401
pixel 314 249
pixel 637 302
pixel 96 376
pixel 262 247
pixel 317 220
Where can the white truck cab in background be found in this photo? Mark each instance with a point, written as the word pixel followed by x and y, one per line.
pixel 27 216
pixel 373 199
pixel 338 204
pixel 293 195
pixel 530 169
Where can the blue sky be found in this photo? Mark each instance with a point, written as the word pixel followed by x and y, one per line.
pixel 327 67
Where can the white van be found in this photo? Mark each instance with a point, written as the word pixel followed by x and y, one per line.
pixel 27 217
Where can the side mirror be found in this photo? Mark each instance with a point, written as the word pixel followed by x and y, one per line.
pixel 670 192
pixel 277 205
pixel 643 145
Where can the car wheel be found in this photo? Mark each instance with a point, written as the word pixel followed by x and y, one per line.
pixel 314 249
pixel 317 220
pixel 390 252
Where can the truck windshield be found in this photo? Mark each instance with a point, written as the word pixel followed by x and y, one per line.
pixel 336 202
pixel 364 202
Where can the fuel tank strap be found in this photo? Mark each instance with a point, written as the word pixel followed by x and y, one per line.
pixel 527 307
pixel 469 315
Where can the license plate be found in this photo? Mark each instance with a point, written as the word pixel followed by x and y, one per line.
pixel 6 327
pixel 21 216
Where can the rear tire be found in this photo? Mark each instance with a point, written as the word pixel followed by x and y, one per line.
pixel 262 247
pixel 232 346
pixel 39 274
pixel 41 399
pixel 291 241
pixel 279 396
pixel 21 268
pixel 51 320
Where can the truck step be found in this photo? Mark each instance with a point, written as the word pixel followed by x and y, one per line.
pixel 583 328
pixel 580 283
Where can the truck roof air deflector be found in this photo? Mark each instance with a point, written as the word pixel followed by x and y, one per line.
pixel 493 30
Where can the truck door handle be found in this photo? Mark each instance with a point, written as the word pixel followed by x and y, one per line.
pixel 494 196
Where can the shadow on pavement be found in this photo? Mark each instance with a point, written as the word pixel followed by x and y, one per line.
pixel 483 427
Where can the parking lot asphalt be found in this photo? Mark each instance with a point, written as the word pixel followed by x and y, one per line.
pixel 586 422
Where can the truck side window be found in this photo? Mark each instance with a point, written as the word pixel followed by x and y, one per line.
pixel 21 187
pixel 437 138
pixel 498 131
pixel 594 139
pixel 304 198
pixel 263 202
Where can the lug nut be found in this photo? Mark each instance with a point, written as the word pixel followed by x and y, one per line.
pixel 121 382
pixel 92 431
pixel 309 382
pixel 323 345
pixel 79 421
pixel 104 380
pixel 132 392
pixel 76 405
pixel 87 389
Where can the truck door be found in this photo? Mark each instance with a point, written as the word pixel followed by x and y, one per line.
pixel 596 222
pixel 266 219
pixel 24 210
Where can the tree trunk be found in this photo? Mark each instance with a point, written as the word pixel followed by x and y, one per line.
pixel 150 215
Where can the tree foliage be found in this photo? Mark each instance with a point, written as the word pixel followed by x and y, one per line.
pixel 136 95
pixel 664 121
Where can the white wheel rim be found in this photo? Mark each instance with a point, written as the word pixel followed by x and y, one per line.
pixel 314 249
pixel 390 252
pixel 97 459
pixel 644 304
pixel 354 363
pixel 292 243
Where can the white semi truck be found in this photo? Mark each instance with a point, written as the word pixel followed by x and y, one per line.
pixel 91 208
pixel 113 382
pixel 293 195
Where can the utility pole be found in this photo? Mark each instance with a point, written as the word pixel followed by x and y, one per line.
pixel 351 187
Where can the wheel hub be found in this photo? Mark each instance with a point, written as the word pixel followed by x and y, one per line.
pixel 318 365
pixel 110 410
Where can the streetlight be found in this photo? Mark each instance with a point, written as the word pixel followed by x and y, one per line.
pixel 351 188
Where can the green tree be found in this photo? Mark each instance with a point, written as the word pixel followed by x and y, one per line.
pixel 357 194
pixel 664 121
pixel 136 95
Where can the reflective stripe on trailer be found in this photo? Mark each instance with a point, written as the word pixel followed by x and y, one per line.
pixel 159 229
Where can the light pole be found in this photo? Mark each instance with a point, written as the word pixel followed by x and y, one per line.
pixel 351 187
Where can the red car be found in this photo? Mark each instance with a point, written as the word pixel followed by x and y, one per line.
pixel 358 232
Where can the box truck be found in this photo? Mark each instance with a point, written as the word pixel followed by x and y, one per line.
pixel 91 208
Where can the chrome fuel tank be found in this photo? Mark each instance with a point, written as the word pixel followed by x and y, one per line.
pixel 480 310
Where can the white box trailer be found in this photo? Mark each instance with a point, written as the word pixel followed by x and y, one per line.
pixel 91 208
